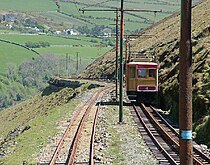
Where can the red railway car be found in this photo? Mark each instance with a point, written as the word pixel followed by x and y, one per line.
pixel 141 80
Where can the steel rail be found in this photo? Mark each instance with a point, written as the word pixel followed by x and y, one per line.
pixel 60 144
pixel 91 156
pixel 70 159
pixel 72 151
pixel 166 134
pixel 196 150
pixel 164 152
pixel 91 161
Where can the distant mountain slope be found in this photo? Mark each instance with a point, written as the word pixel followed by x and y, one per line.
pixel 164 44
pixel 66 12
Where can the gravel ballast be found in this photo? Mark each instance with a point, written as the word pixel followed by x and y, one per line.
pixel 120 143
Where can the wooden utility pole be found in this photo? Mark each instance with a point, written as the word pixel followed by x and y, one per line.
pixel 77 65
pixel 67 65
pixel 116 58
pixel 121 63
pixel 185 85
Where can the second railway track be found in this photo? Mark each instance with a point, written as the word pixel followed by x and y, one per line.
pixel 161 137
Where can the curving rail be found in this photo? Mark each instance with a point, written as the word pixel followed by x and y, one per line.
pixel 61 142
pixel 83 114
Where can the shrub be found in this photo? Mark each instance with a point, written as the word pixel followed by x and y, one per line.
pixel 37 44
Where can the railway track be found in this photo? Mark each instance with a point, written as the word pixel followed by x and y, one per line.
pixel 161 137
pixel 77 143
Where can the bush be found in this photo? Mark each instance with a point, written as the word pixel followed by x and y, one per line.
pixel 37 44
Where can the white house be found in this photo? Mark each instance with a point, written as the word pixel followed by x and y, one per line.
pixel 107 32
pixel 71 32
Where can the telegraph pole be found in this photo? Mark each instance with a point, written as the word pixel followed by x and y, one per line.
pixel 126 49
pixel 67 65
pixel 116 62
pixel 77 65
pixel 121 63
pixel 185 86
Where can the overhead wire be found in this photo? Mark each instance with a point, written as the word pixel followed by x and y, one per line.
pixel 97 4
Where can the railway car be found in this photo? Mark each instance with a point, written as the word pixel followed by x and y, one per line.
pixel 142 80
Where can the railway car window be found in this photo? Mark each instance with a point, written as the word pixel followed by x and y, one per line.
pixel 142 73
pixel 132 72
pixel 152 73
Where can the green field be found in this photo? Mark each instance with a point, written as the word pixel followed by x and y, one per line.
pixel 86 51
pixel 107 18
pixel 61 46
pixel 53 40
pixel 27 5
pixel 11 54
pixel 47 8
pixel 86 54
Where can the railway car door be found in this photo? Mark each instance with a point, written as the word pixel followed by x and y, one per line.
pixel 132 78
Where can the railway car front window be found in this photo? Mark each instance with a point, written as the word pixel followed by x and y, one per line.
pixel 142 73
pixel 152 73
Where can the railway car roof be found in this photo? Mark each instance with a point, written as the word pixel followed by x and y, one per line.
pixel 142 63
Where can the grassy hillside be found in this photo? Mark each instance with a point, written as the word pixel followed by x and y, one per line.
pixel 29 125
pixel 18 83
pixel 13 54
pixel 70 17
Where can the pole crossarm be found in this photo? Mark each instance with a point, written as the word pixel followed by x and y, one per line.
pixel 83 10
pixel 141 10
pixel 131 10
pixel 139 35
